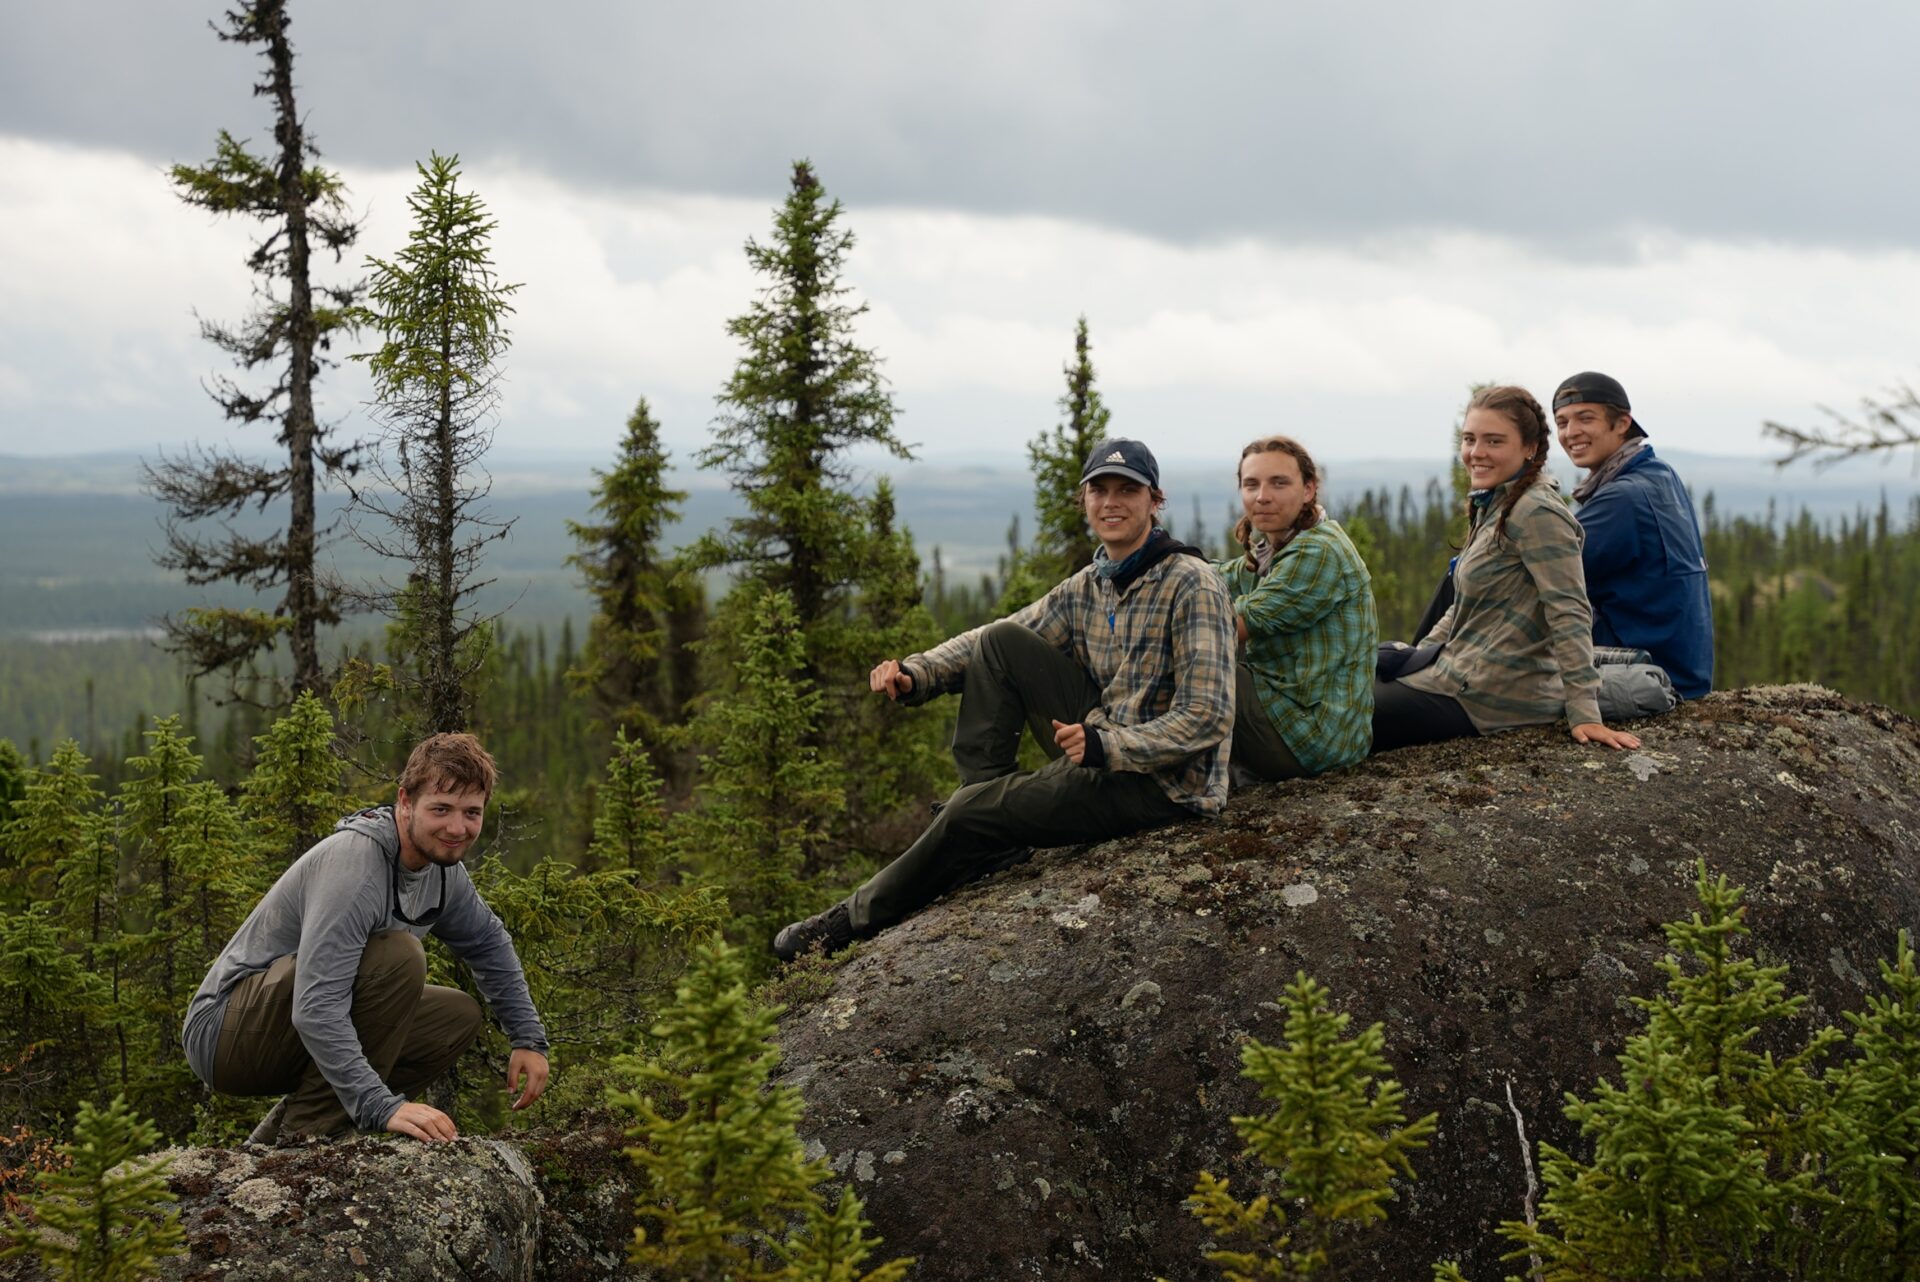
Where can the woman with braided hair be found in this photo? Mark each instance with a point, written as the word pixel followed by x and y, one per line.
pixel 1303 611
pixel 1516 645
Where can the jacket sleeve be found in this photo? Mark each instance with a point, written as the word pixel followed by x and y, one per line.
pixel 340 911
pixel 943 669
pixel 477 937
pixel 1442 629
pixel 1549 544
pixel 1301 589
pixel 1200 716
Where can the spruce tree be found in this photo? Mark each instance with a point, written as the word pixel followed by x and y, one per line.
pixel 766 795
pixel 1336 1137
pixel 303 208
pixel 47 824
pixel 48 991
pixel 720 1160
pixel 221 875
pixel 440 311
pixel 1062 543
pixel 623 665
pixel 293 796
pixel 902 756
pixel 14 770
pixel 107 1217
pixel 1707 1145
pixel 803 394
pixel 629 826
pixel 157 798
pixel 1872 1135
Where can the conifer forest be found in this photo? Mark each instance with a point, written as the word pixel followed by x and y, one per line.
pixel 699 760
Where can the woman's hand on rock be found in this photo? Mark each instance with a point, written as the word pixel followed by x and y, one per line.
pixel 1594 732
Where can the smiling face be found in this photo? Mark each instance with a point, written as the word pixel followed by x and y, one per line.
pixel 1491 448
pixel 438 826
pixel 1591 433
pixel 1272 492
pixel 1120 510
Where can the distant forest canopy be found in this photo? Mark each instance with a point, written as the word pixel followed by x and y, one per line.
pixel 1834 601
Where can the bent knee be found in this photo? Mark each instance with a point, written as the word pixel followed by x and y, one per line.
pixel 395 953
pixel 1004 637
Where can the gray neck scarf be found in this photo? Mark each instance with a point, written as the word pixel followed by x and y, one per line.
pixel 1608 469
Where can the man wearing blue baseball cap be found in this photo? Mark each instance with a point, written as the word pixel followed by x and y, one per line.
pixel 1645 566
pixel 1124 672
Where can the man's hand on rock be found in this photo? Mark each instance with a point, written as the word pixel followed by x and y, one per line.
pixel 890 679
pixel 423 1122
pixel 531 1067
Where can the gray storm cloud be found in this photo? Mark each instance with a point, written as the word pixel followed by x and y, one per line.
pixel 1569 126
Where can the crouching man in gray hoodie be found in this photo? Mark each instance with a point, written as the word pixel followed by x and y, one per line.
pixel 321 995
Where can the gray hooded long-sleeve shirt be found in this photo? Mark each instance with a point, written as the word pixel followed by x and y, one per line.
pixel 325 908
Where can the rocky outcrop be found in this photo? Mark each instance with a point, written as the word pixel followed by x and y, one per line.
pixel 545 1208
pixel 1024 1080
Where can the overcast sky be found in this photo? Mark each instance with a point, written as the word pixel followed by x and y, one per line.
pixel 1320 219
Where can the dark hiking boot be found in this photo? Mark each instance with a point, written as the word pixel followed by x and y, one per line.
pixel 829 931
pixel 267 1133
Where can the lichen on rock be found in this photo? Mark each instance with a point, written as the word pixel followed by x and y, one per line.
pixel 1493 902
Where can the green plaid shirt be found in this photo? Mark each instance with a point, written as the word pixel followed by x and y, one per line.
pixel 1162 655
pixel 1519 635
pixel 1312 638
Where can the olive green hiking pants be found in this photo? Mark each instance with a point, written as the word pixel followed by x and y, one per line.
pixel 1014 679
pixel 410 1030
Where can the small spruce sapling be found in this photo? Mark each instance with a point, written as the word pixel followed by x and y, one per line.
pixel 1701 1154
pixel 1336 1137
pixel 1872 1135
pixel 722 1172
pixel 293 794
pixel 108 1216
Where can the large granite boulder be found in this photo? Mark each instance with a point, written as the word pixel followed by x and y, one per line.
pixel 1024 1080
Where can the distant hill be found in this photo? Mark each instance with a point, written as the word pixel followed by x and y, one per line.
pixel 78 533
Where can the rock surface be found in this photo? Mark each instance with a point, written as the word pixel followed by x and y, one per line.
pixel 370 1208
pixel 1024 1081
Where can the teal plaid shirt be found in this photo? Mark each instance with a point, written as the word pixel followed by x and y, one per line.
pixel 1312 638
pixel 1162 655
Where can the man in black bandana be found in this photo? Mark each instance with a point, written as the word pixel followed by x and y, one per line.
pixel 1124 672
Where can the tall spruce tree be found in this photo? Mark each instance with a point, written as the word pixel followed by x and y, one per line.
pixel 766 796
pixel 803 393
pixel 441 311
pixel 303 208
pixel 902 756
pixel 1062 543
pixel 626 662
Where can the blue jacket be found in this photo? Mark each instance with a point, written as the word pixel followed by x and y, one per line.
pixel 1647 572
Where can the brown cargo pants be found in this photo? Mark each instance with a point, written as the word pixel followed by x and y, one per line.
pixel 411 1032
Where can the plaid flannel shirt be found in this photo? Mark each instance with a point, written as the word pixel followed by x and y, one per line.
pixel 1312 638
pixel 1519 634
pixel 1162 655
